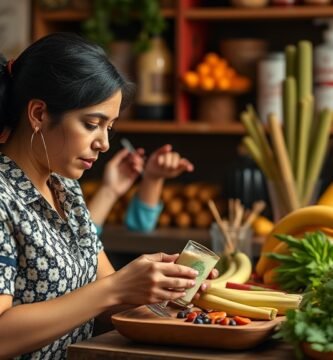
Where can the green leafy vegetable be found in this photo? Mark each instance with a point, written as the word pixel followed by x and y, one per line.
pixel 309 258
pixel 313 322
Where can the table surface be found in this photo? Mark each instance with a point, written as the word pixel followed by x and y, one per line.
pixel 112 345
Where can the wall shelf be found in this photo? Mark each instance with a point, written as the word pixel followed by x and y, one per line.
pixel 278 13
pixel 127 126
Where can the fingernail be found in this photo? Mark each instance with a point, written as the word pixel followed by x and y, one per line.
pixel 203 287
pixel 195 272
pixel 192 283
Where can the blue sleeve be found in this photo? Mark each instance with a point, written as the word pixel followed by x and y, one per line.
pixel 99 229
pixel 142 217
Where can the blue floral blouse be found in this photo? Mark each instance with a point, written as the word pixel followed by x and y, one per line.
pixel 43 256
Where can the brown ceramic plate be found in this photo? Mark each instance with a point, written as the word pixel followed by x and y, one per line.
pixel 141 325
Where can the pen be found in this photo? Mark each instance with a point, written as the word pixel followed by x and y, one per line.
pixel 127 145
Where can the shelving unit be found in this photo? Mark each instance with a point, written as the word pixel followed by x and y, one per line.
pixel 195 139
pixel 190 21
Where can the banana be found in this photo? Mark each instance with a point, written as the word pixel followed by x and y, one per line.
pixel 230 271
pixel 240 275
pixel 265 263
pixel 232 308
pixel 282 302
pixel 293 223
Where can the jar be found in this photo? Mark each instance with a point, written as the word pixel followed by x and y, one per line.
pixel 271 72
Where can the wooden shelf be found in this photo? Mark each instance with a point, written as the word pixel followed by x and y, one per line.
pixel 127 126
pixel 64 15
pixel 120 240
pixel 80 15
pixel 277 13
pixel 117 239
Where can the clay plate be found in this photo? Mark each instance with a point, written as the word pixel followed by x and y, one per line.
pixel 142 325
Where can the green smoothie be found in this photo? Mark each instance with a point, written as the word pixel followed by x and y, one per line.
pixel 201 259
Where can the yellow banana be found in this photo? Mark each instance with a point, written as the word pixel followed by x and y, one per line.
pixel 282 302
pixel 240 275
pixel 327 197
pixel 265 263
pixel 293 223
pixel 232 267
pixel 232 308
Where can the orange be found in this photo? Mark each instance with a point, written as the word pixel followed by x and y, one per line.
pixel 211 59
pixel 207 83
pixel 203 69
pixel 191 79
pixel 218 72
pixel 230 72
pixel 223 84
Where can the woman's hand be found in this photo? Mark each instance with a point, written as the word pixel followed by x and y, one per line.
pixel 205 285
pixel 165 163
pixel 122 170
pixel 152 279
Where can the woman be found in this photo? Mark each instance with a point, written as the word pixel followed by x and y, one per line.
pixel 59 99
pixel 119 175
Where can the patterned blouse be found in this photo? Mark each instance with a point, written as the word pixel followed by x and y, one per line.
pixel 43 256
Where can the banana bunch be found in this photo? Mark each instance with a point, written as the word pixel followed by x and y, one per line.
pixel 263 305
pixel 239 271
pixel 296 223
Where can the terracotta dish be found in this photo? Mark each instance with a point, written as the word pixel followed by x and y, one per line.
pixel 141 325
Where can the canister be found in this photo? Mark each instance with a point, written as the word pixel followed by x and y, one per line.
pixel 271 72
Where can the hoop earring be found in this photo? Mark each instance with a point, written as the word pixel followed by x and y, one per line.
pixel 36 130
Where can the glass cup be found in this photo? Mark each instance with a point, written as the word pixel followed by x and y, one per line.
pixel 241 237
pixel 195 256
pixel 200 258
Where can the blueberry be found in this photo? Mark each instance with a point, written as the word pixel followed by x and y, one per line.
pixel 198 320
pixel 206 320
pixel 232 322
pixel 181 315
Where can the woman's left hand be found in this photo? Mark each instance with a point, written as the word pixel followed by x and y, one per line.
pixel 205 285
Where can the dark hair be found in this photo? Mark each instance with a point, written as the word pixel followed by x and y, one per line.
pixel 62 69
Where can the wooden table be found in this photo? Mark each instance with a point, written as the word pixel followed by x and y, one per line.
pixel 112 345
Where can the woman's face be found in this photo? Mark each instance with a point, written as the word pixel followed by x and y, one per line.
pixel 74 145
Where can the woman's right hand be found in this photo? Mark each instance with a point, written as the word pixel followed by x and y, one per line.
pixel 122 170
pixel 152 279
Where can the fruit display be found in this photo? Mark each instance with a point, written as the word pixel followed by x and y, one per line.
pixel 215 74
pixel 297 223
pixel 184 205
pixel 298 250
pixel 261 304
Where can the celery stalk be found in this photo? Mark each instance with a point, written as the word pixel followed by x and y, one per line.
pixel 290 116
pixel 291 59
pixel 317 153
pixel 304 69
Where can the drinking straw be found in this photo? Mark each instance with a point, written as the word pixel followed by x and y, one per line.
pixel 223 228
pixel 290 116
pixel 317 153
pixel 283 162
